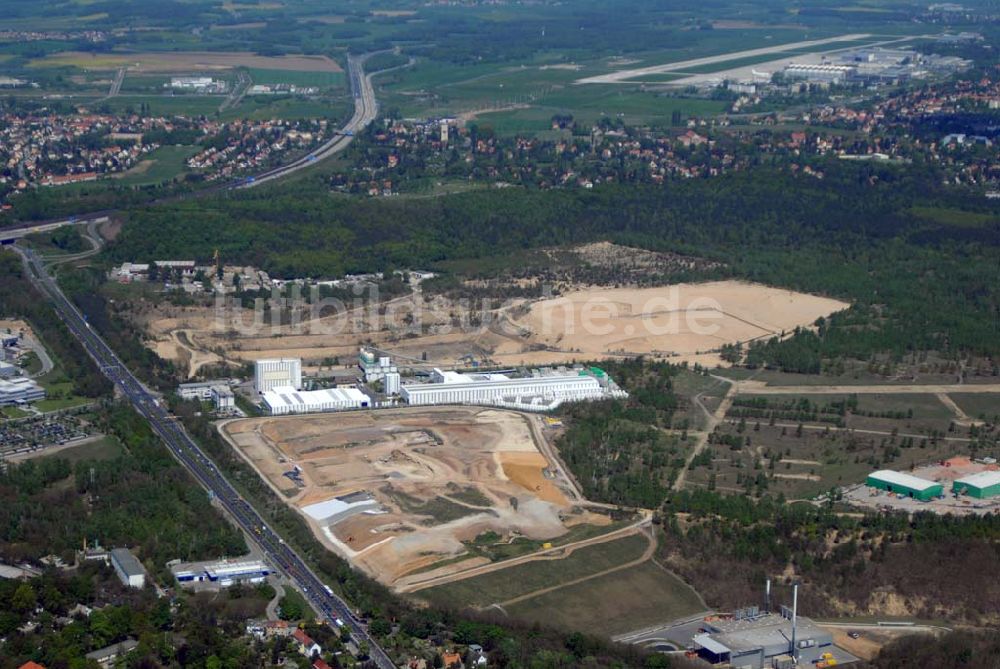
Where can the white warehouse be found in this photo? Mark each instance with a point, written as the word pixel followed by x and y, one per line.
pixel 277 372
pixel 541 391
pixel 286 399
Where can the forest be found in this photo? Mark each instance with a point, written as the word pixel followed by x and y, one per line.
pixel 19 299
pixel 915 284
pixel 926 563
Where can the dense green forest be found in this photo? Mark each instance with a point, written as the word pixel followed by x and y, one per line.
pixel 915 284
pixel 18 298
pixel 618 451
pixel 926 562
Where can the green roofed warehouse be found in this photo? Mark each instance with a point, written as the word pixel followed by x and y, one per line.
pixel 905 484
pixel 980 486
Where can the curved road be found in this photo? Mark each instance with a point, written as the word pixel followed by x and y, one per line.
pixel 365 111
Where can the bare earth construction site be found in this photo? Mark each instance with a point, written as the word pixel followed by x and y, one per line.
pixel 418 495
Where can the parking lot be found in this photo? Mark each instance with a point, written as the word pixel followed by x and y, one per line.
pixel 35 434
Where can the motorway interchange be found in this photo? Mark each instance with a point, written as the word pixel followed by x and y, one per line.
pixel 334 610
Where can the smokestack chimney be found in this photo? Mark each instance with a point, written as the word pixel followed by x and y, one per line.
pixel 767 597
pixel 795 614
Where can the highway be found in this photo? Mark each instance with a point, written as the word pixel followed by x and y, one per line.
pixel 190 455
pixel 365 111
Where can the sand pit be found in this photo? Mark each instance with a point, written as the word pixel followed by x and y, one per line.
pixel 673 320
pixel 440 478
pixel 683 322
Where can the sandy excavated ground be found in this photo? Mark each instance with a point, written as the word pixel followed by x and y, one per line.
pixel 441 476
pixel 685 322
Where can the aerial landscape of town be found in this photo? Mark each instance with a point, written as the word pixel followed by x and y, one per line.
pixel 499 333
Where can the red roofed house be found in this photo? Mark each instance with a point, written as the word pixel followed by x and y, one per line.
pixel 31 665
pixel 320 664
pixel 307 646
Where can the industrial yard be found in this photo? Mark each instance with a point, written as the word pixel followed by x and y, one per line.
pixel 408 495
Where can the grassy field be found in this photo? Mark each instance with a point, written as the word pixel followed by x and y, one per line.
pixel 104 448
pixel 821 456
pixel 522 579
pixel 953 217
pixel 614 603
pixel 978 405
pixel 12 413
pixel 318 79
pixel 161 165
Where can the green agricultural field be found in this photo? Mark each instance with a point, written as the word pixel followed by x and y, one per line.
pixel 163 164
pixel 284 107
pixel 167 104
pixel 506 584
pixel 318 79
pixel 615 603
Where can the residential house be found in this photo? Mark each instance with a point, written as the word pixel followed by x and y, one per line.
pixel 306 645
pixel 452 660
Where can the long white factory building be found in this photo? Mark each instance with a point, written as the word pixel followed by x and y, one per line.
pixel 286 399
pixel 542 391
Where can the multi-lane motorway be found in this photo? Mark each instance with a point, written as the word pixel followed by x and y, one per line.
pixel 365 111
pixel 334 609
pixel 201 467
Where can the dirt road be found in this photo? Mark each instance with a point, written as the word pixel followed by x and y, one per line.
pixel 646 555
pixel 759 388
pixel 555 553
pixel 712 420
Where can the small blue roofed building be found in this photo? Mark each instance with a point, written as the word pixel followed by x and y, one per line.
pixel 221 573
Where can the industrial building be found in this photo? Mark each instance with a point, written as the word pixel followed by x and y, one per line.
pixel 373 366
pixel 392 383
pixel 223 399
pixel 273 373
pixel 286 399
pixel 981 485
pixel 904 484
pixel 8 370
pixel 754 639
pixel 129 569
pixel 20 391
pixel 221 573
pixel 332 511
pixel 542 391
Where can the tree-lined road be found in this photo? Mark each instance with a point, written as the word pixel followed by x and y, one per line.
pixel 190 455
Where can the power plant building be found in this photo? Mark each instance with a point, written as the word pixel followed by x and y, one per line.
pixel 982 485
pixel 277 372
pixel 287 400
pixel 763 640
pixel 904 484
